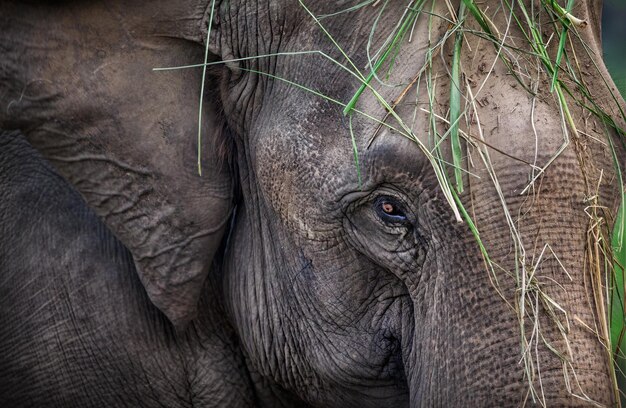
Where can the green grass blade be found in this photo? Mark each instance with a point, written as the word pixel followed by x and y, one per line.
pixel 616 301
pixel 478 15
pixel 455 103
pixel 617 297
pixel 395 43
pixel 617 312
pixel 401 132
pixel 204 68
pixel 221 62
pixel 561 48
pixel 348 10
pixel 355 70
pixel 356 153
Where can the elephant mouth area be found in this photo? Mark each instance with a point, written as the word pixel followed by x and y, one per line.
pixel 366 366
pixel 393 367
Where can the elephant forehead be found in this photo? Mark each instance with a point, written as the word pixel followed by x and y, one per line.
pixel 308 152
pixel 303 164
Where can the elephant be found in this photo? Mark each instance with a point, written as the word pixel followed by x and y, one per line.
pixel 317 260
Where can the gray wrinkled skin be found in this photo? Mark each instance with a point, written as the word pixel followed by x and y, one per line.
pixel 272 280
pixel 77 326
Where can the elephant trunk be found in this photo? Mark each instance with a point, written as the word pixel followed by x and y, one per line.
pixel 523 330
pixel 462 358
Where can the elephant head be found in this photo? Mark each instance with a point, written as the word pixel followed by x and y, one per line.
pixel 348 284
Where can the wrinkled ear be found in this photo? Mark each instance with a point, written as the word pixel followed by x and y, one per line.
pixel 125 135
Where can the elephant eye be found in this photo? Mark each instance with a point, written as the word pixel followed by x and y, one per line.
pixel 390 210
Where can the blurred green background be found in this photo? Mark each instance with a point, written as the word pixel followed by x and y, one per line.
pixel 614 40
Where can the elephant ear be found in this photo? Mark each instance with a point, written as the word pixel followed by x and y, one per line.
pixel 124 135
